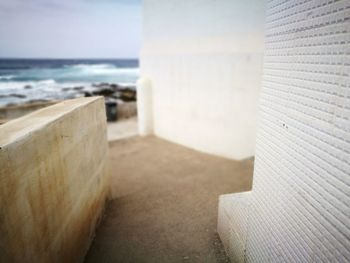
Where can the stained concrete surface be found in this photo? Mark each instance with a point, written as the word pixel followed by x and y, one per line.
pixel 165 203
pixel 53 181
pixel 122 129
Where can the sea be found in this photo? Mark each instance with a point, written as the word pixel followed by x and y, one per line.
pixel 30 80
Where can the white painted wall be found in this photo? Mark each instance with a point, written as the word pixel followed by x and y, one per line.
pixel 204 60
pixel 145 107
pixel 299 208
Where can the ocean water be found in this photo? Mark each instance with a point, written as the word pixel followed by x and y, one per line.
pixel 24 80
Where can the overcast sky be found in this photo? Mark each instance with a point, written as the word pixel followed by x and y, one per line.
pixel 70 28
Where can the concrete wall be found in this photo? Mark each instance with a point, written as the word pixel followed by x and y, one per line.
pixel 53 181
pixel 204 60
pixel 299 208
pixel 126 110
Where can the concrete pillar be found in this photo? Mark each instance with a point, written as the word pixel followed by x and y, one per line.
pixel 145 106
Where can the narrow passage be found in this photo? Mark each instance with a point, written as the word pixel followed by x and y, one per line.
pixel 164 206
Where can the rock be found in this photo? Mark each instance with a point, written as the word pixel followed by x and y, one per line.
pixel 87 94
pixel 127 94
pixel 66 89
pixel 105 85
pixel 20 96
pixel 38 101
pixel 104 92
pixel 101 85
pixel 78 88
pixel 114 86
pixel 11 104
pixel 28 87
pixel 128 87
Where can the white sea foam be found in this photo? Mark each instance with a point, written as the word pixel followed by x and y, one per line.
pixel 14 86
pixel 44 89
pixel 84 66
pixel 105 69
pixel 6 77
pixel 47 82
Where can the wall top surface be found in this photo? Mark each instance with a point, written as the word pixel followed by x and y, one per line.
pixel 19 128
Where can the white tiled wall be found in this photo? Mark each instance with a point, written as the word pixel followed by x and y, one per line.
pixel 300 204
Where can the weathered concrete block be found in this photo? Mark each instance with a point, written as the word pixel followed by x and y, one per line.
pixel 53 181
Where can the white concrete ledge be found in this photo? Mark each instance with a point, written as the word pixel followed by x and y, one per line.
pixel 53 181
pixel 233 218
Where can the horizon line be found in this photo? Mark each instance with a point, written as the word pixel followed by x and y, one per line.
pixel 69 58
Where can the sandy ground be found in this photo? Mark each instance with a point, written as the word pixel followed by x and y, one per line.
pixel 165 203
pixel 122 129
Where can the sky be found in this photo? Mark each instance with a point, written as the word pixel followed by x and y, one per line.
pixel 70 28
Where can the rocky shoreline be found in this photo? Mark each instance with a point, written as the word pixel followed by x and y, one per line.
pixel 120 100
pixel 110 91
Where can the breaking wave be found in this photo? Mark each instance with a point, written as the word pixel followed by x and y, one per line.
pixel 103 69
